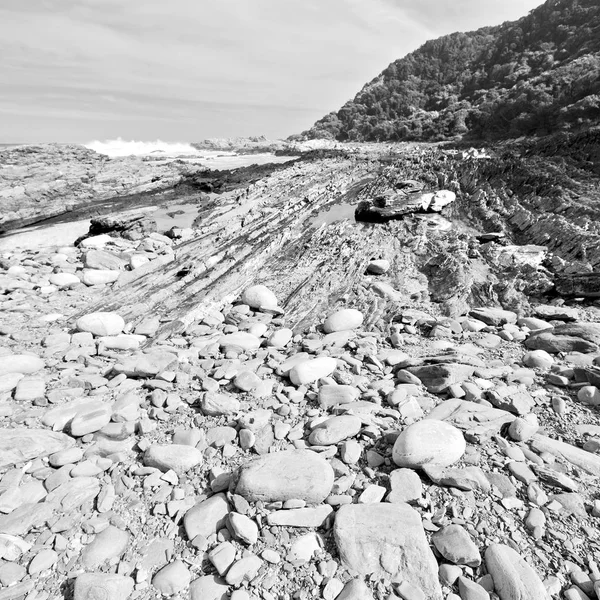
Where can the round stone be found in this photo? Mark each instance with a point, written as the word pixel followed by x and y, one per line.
pixel 101 323
pixel 589 394
pixel 20 363
pixel 343 320
pixel 429 443
pixel 64 280
pixel 99 276
pixel 259 296
pixel 538 359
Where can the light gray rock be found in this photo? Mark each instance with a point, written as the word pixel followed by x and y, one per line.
pixel 287 475
pixel 455 544
pixel 243 527
pixel 355 589
pixel 99 277
pixel 309 371
pixel 494 316
pixel 172 578
pixel 216 404
pixel 22 444
pixel 178 457
pixel 102 585
pixel 109 543
pixel 335 430
pixel 405 486
pixel 206 517
pixel 20 363
pixel 428 443
pixel 513 576
pixel 209 587
pixel 244 569
pixel 343 320
pixel 300 517
pixel 387 541
pixel 239 342
pixel 259 296
pixel 101 323
pixel 146 364
pixel 91 420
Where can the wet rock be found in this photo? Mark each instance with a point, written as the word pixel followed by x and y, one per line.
pixel 177 457
pixel 280 476
pixel 455 544
pixel 342 320
pixel 513 577
pixel 428 443
pixel 102 585
pixel 387 541
pixel 101 323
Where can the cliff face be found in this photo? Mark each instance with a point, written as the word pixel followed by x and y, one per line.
pixel 37 182
pixel 537 75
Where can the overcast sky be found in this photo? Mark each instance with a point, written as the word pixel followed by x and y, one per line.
pixel 78 70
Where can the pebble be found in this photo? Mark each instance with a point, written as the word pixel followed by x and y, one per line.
pixel 206 517
pixel 455 544
pixel 243 528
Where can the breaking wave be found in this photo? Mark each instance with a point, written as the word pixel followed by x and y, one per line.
pixel 120 147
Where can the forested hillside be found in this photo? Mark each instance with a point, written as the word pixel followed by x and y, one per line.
pixel 536 75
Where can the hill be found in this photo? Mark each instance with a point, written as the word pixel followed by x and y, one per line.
pixel 536 75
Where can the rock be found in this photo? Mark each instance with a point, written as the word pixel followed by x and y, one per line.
pixel 108 544
pixel 177 457
pixel 21 445
pixel 466 479
pixel 103 260
pixel 494 316
pixel 101 323
pixel 300 517
pixel 405 486
pixel 470 590
pixel 206 517
pixel 99 277
pixel 9 381
pixel 243 528
pixel 332 395
pixel 343 320
pixel 558 313
pixel 428 443
pixel 576 456
pixel 73 493
pixel 309 371
pixel 523 428
pixel 172 578
pixel 239 342
pixel 589 394
pixel 355 589
pixel 219 404
pixel 243 570
pixel 259 296
pixel 438 378
pixel 335 430
pixel 386 541
pixel 91 420
pixel 455 544
pixel 64 280
pixel 513 577
pixel 280 338
pixel 25 518
pixel 29 389
pixel 209 587
pixel 146 364
pixel 281 476
pixel 102 586
pixel 20 363
pixel 42 561
pixel 378 267
pixel 538 359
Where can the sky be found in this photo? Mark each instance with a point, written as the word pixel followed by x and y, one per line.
pixel 186 70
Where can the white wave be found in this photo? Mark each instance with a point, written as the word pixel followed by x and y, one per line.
pixel 121 147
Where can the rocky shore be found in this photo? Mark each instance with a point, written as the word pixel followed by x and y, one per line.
pixel 271 405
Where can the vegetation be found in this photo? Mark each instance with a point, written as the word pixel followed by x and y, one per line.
pixel 537 75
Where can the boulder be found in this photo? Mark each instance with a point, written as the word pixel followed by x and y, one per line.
pixel 342 320
pixel 101 323
pixel 259 296
pixel 386 541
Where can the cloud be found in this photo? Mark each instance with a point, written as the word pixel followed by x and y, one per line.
pixel 203 68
